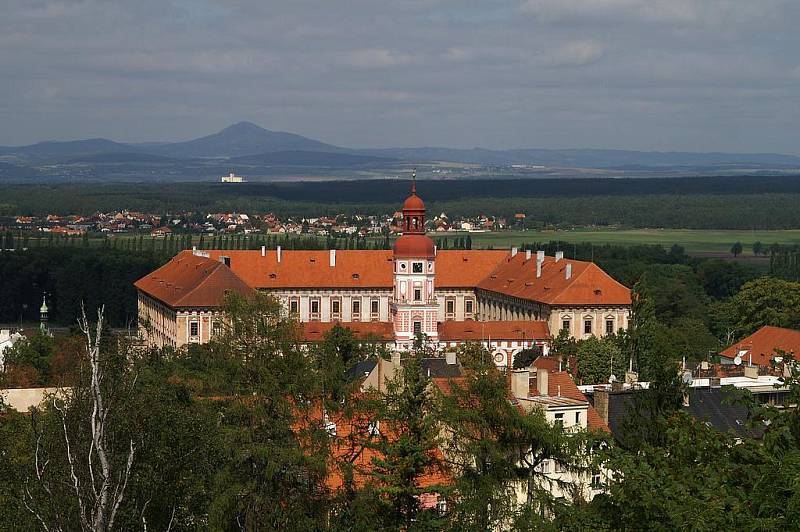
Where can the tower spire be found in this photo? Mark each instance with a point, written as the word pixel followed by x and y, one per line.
pixel 414 181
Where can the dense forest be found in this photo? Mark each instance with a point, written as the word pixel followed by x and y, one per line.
pixel 694 203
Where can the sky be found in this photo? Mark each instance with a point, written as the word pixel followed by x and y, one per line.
pixel 684 75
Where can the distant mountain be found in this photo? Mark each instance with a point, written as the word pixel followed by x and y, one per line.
pixel 54 149
pixel 247 143
pixel 115 157
pixel 303 158
pixel 243 138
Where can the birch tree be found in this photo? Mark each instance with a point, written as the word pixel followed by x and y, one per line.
pixel 82 458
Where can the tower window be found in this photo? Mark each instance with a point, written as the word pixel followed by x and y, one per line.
pixel 417 267
pixel 417 294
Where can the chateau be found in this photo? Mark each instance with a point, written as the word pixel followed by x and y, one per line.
pixel 508 300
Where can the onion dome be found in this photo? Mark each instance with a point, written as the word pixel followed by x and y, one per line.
pixel 414 247
pixel 414 243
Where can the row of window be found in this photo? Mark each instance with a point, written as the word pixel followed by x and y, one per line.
pixel 588 325
pixel 315 305
pixel 450 307
pixel 194 328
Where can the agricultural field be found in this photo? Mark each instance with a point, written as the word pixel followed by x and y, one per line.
pixel 696 242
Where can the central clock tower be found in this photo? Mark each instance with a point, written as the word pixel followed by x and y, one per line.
pixel 414 306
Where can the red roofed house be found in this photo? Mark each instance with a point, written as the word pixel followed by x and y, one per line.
pixel 557 396
pixel 507 300
pixel 759 348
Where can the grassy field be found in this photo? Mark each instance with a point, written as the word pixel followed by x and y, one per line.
pixel 694 241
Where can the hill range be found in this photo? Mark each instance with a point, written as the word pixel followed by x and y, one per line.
pixel 256 151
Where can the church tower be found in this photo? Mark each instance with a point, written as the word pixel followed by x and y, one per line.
pixel 414 307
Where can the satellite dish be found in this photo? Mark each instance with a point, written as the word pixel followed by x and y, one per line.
pixel 737 360
pixel 687 377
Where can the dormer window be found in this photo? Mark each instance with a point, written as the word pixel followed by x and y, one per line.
pixel 356 277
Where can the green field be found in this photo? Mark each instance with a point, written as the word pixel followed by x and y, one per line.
pixel 694 241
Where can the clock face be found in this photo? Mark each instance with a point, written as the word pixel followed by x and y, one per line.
pixel 499 357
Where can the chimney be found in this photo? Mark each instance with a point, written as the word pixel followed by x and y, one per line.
pixel 279 254
pixel 514 251
pixel 559 255
pixel 568 271
pixel 450 358
pixel 601 397
pixel 542 378
pixel 520 383
pixel 527 254
pixel 332 258
pixel 539 262
pixel 263 251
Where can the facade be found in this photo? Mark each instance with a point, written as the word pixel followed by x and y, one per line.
pixel 232 178
pixel 555 394
pixel 508 300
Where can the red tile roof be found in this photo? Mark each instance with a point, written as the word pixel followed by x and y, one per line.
pixel 466 268
pixel 348 447
pixel 315 331
pixel 492 270
pixel 191 281
pixel 588 284
pixel 311 269
pixel 760 346
pixel 560 383
pixel 548 363
pixel 496 330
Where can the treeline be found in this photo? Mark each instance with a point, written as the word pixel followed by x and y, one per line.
pixel 691 203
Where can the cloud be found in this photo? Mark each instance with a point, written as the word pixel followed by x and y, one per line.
pixel 552 73
pixel 574 53
pixel 370 58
